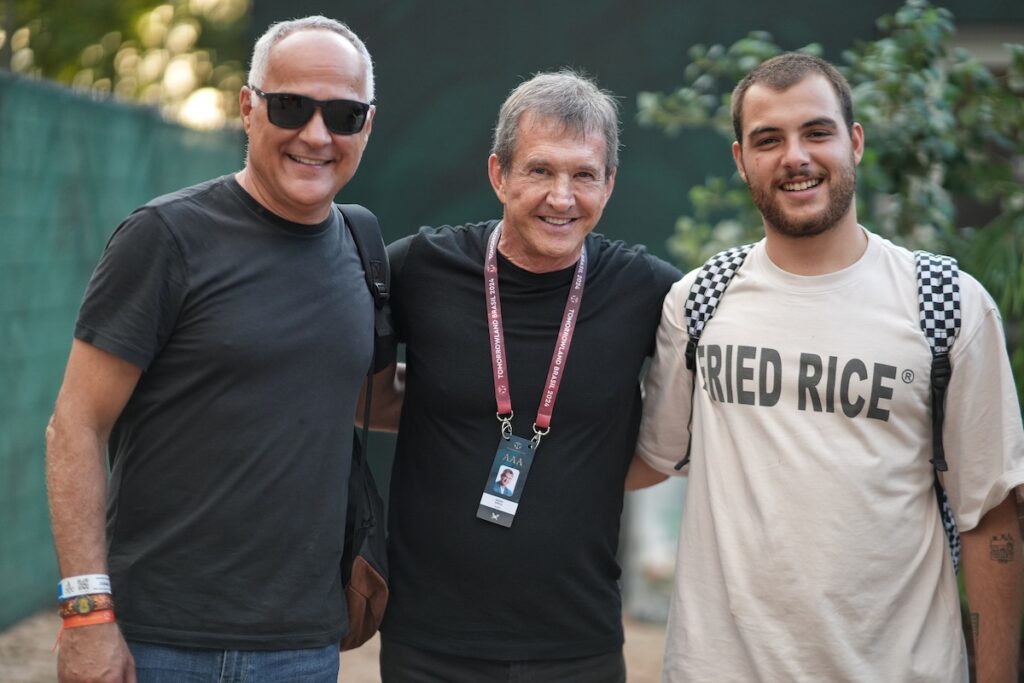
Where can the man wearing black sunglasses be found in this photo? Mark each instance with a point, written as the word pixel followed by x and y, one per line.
pixel 220 345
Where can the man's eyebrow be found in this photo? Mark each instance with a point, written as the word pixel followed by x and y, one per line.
pixel 820 121
pixel 546 161
pixel 761 130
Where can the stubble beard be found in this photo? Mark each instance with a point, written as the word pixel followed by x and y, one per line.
pixel 843 185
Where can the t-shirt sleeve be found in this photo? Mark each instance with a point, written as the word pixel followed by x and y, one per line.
pixel 136 292
pixel 398 252
pixel 665 275
pixel 667 389
pixel 982 432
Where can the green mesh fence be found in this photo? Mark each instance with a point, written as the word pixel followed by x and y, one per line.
pixel 71 168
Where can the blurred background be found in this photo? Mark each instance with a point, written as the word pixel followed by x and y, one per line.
pixel 105 104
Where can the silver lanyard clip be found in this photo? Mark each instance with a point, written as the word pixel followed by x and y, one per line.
pixel 506 424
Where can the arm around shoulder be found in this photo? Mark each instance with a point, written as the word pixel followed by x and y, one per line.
pixel 641 475
pixel 387 396
pixel 667 400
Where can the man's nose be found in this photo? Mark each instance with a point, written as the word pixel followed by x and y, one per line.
pixel 795 154
pixel 315 131
pixel 561 196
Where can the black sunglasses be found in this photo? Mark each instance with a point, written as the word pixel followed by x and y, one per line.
pixel 342 117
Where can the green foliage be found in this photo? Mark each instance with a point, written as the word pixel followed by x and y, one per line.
pixel 184 56
pixel 944 164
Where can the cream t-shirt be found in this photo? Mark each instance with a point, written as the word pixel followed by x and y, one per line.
pixel 811 547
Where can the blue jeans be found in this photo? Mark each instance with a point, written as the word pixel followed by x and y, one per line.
pixel 166 664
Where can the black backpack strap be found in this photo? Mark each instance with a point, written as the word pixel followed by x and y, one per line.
pixel 701 303
pixel 366 232
pixel 938 298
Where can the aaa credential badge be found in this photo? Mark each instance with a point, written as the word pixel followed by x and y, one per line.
pixel 505 483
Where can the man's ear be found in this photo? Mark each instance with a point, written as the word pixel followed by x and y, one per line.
pixel 245 107
pixel 368 126
pixel 857 140
pixel 737 157
pixel 497 177
pixel 610 184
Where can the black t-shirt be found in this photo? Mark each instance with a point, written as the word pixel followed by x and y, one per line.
pixel 230 461
pixel 546 587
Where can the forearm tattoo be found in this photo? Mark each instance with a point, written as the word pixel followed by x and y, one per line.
pixel 975 626
pixel 1000 549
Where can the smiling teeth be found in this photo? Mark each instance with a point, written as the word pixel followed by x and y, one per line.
pixel 804 185
pixel 558 221
pixel 308 161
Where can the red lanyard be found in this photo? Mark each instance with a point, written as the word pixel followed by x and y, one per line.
pixel 542 424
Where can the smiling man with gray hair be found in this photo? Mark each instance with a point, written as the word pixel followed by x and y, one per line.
pixel 501 318
pixel 220 345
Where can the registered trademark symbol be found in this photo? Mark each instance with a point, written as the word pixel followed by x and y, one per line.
pixel 908 376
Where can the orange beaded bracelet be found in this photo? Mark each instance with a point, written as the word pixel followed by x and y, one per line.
pixel 105 616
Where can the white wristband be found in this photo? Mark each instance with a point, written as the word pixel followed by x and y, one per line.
pixel 87 584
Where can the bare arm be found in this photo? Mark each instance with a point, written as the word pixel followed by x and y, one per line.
pixel 993 571
pixel 386 401
pixel 641 475
pixel 96 388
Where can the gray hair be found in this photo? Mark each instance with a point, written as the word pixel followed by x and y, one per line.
pixel 282 29
pixel 568 97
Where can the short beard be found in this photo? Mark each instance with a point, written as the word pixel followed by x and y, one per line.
pixel 841 192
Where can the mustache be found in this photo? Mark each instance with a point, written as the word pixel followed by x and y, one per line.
pixel 804 173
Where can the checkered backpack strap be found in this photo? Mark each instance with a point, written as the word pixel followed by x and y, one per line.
pixel 701 303
pixel 707 290
pixel 938 297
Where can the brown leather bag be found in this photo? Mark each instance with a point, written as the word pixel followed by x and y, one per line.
pixel 364 559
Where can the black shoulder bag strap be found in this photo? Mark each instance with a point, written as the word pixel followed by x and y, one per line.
pixel 365 231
